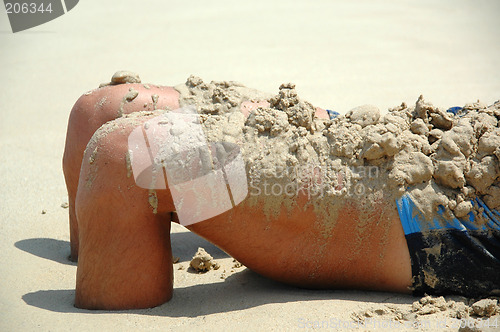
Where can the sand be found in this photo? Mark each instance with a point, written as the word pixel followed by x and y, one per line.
pixel 339 55
pixel 202 261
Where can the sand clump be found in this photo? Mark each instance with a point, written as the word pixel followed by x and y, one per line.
pixel 486 307
pixel 439 158
pixel 364 115
pixel 203 261
pixel 122 77
pixel 457 312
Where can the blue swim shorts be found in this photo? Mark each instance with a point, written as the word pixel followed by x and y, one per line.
pixel 452 255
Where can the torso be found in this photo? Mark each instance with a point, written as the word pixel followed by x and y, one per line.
pixel 352 249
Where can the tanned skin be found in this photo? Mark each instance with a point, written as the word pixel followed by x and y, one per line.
pixel 123 246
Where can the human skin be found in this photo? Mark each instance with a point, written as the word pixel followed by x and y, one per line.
pixel 91 111
pixel 95 108
pixel 125 258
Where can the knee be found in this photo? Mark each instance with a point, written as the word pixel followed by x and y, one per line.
pixel 124 255
pixel 106 180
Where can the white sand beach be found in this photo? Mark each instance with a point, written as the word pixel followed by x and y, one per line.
pixel 339 54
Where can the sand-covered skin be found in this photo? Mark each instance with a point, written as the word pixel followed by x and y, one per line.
pixel 441 159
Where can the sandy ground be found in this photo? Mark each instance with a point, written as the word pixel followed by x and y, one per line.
pixel 339 54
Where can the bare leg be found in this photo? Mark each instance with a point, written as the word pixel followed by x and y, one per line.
pixel 125 258
pixel 91 111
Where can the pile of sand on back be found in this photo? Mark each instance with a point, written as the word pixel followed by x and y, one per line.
pixel 440 158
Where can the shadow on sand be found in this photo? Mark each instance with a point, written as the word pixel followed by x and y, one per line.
pixel 239 291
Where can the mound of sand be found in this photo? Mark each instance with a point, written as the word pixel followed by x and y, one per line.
pixel 440 158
